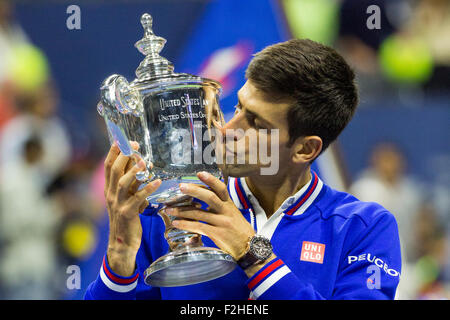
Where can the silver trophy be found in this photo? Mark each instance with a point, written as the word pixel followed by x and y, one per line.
pixel 174 118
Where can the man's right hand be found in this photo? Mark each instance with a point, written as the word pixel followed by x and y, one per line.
pixel 124 203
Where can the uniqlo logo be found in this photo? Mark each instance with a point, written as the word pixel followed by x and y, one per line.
pixel 312 252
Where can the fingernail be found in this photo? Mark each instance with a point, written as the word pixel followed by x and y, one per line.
pixel 156 182
pixel 203 174
pixel 183 187
pixel 134 145
pixel 141 164
pixel 169 210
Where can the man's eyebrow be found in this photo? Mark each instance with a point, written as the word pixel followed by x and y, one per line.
pixel 255 115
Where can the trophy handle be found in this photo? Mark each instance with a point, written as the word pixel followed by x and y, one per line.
pixel 122 108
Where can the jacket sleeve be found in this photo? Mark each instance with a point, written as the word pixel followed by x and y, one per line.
pixel 369 268
pixel 111 286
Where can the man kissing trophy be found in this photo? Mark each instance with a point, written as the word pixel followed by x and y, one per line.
pixel 173 117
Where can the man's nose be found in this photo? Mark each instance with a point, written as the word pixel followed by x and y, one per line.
pixel 233 129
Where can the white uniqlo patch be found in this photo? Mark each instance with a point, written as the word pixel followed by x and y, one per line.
pixel 312 252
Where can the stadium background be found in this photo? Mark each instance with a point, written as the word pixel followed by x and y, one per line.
pixel 52 141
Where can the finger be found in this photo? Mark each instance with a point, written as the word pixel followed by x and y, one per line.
pixel 109 161
pixel 145 192
pixel 202 194
pixel 117 171
pixel 135 157
pixel 134 145
pixel 194 226
pixel 118 167
pixel 143 206
pixel 127 179
pixel 130 164
pixel 137 183
pixel 134 187
pixel 193 213
pixel 215 184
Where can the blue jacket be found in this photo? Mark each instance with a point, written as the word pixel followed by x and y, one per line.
pixel 329 245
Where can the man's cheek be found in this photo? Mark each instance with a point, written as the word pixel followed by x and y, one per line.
pixel 269 153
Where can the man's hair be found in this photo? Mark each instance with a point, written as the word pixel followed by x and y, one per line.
pixel 315 79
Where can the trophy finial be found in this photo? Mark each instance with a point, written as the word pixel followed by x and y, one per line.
pixel 147 23
pixel 150 45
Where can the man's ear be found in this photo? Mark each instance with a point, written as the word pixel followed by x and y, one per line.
pixel 306 149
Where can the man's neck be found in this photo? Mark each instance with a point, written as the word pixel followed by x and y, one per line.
pixel 272 192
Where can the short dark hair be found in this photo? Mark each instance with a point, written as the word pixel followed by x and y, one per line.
pixel 315 79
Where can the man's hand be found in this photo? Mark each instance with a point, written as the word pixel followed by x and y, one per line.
pixel 124 203
pixel 225 224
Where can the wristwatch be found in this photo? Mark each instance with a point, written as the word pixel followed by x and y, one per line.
pixel 259 249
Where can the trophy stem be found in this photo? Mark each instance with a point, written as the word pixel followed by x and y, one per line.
pixel 176 238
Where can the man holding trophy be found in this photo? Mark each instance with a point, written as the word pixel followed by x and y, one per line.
pixel 270 229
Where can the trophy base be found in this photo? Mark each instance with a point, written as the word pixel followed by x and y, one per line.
pixel 190 265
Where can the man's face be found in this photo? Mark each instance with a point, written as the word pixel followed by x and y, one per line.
pixel 255 139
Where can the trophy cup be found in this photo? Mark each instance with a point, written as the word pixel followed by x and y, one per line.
pixel 173 117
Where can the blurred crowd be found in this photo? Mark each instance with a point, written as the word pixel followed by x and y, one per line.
pixel 423 229
pixel 51 199
pixel 405 62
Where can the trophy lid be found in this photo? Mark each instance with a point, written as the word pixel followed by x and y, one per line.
pixel 153 66
pixel 156 72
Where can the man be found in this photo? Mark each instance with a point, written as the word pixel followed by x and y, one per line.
pixel 293 236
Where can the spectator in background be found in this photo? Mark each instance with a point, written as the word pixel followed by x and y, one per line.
pixel 37 117
pixel 431 255
pixel 360 45
pixel 386 183
pixel 27 224
pixel 76 233
pixel 430 21
pixel 28 99
pixel 34 149
pixel 11 36
pixel 406 59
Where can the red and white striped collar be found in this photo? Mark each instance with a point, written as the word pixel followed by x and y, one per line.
pixel 292 206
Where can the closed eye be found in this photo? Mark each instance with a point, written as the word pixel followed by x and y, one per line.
pixel 237 109
pixel 252 118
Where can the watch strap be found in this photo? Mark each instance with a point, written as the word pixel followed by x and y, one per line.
pixel 247 260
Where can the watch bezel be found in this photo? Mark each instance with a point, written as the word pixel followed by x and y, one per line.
pixel 254 243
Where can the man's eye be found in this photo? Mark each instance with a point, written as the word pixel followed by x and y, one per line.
pixel 256 126
pixel 252 122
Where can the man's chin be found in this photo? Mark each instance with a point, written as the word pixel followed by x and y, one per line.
pixel 239 170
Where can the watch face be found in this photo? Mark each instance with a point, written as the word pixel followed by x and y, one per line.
pixel 261 247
